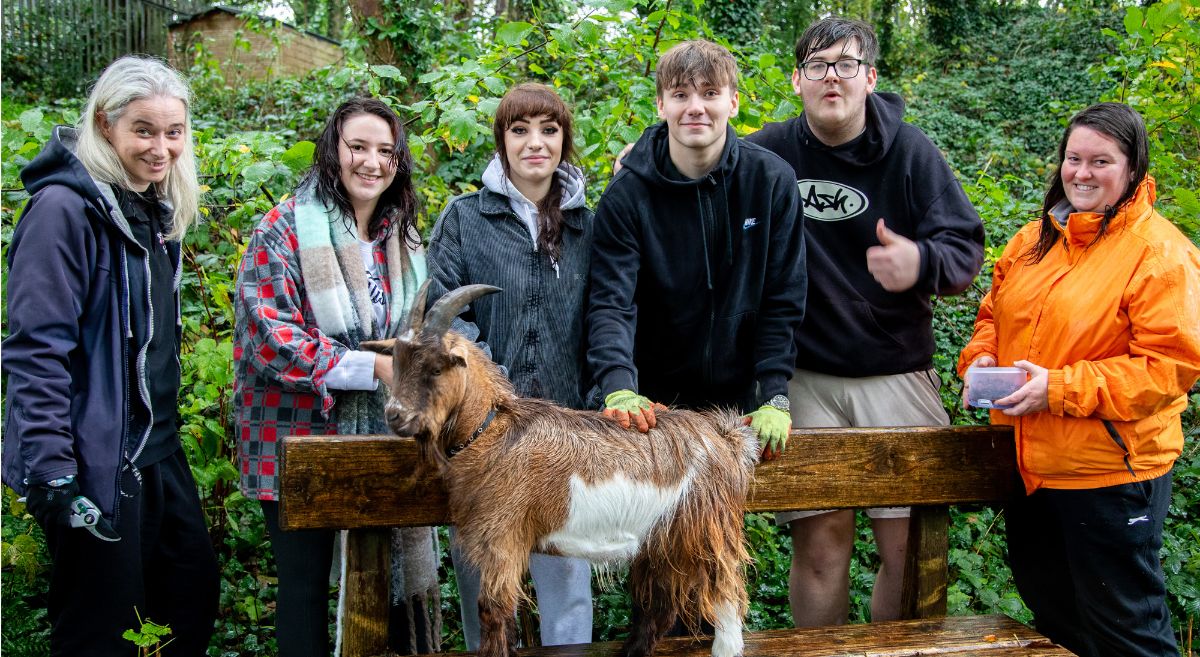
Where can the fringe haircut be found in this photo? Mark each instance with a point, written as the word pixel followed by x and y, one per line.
pixel 527 101
pixel 128 79
pixel 694 62
pixel 829 31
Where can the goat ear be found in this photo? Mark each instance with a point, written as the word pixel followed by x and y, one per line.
pixel 458 352
pixel 379 346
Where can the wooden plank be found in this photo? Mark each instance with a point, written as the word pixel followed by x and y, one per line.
pixel 926 569
pixel 366 481
pixel 368 578
pixel 987 636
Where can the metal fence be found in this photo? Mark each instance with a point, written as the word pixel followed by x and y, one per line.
pixel 58 47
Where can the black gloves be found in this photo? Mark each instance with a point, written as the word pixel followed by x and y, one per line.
pixel 51 505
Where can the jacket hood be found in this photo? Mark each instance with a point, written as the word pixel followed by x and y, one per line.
pixel 1080 228
pixel 885 114
pixel 569 176
pixel 651 154
pixel 57 164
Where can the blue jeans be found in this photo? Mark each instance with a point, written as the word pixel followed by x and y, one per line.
pixel 564 595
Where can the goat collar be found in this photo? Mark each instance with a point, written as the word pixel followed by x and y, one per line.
pixel 487 421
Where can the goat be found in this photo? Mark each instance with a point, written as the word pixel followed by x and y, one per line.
pixel 525 474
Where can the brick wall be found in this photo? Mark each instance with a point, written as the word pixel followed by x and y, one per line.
pixel 297 52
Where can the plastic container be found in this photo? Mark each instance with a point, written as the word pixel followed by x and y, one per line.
pixel 987 384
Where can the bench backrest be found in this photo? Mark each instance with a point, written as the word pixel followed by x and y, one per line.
pixel 365 484
pixel 347 482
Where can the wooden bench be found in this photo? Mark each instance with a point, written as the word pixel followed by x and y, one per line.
pixel 363 483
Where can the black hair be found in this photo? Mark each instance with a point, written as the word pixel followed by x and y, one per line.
pixel 397 207
pixel 828 31
pixel 1118 122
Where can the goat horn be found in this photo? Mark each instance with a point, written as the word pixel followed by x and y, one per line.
pixel 417 313
pixel 438 319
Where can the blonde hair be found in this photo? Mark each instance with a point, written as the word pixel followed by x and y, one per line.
pixel 126 80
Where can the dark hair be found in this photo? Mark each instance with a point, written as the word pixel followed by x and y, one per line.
pixel 699 59
pixel 530 100
pixel 829 31
pixel 1120 123
pixel 397 207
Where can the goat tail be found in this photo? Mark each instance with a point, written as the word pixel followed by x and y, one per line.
pixel 697 562
pixel 737 433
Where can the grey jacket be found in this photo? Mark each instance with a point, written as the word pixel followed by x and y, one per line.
pixel 534 328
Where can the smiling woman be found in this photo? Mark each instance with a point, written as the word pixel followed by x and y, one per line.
pixel 1098 302
pixel 336 265
pixel 528 232
pixel 92 359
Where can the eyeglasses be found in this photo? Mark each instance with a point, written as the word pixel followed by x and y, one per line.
pixel 816 69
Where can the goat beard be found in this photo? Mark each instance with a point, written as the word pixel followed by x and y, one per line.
pixel 433 459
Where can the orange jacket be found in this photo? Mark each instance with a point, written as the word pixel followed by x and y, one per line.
pixel 1117 323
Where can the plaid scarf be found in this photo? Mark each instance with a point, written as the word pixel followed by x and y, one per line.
pixel 336 284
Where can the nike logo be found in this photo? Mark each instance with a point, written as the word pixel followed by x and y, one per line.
pixel 1134 521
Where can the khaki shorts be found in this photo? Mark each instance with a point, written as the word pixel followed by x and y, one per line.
pixel 897 400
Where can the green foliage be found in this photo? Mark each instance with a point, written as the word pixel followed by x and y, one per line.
pixel 24 630
pixel 148 636
pixel 1155 71
pixel 995 100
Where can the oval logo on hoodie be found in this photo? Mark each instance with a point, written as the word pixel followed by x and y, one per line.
pixel 825 200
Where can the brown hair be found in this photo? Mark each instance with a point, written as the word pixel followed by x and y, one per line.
pixel 1120 123
pixel 693 61
pixel 397 207
pixel 526 101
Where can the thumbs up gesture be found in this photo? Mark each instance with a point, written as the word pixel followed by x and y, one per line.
pixel 896 262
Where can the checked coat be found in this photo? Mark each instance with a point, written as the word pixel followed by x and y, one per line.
pixel 280 356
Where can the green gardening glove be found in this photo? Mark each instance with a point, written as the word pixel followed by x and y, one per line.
pixel 772 426
pixel 629 408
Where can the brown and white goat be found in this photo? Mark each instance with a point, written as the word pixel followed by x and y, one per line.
pixel 526 474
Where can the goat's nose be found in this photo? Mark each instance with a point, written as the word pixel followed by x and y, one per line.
pixel 392 414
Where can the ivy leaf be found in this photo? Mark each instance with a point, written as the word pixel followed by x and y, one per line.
pixel 388 71
pixel 258 173
pixel 510 34
pixel 31 120
pixel 300 156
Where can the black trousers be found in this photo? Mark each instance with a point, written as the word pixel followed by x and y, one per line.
pixel 163 566
pixel 303 559
pixel 1086 562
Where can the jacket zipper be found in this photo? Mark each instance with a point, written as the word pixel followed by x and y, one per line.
pixel 141 361
pixel 1116 437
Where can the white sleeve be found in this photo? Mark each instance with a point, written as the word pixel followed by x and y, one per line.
pixel 355 371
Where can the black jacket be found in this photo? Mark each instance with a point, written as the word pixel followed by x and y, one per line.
pixel 534 327
pixel 698 286
pixel 75 269
pixel 853 327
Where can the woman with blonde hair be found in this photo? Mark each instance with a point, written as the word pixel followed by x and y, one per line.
pixel 92 358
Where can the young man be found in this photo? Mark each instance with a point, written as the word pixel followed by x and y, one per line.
pixel 888 226
pixel 697 277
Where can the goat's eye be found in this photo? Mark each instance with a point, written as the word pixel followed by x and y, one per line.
pixel 437 371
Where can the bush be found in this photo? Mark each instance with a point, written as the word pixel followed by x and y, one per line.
pixel 997 108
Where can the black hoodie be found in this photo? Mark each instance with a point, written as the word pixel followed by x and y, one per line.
pixel 853 327
pixel 697 286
